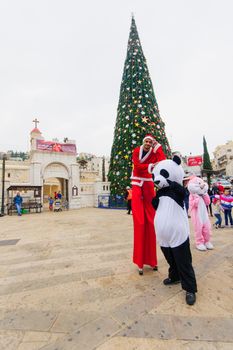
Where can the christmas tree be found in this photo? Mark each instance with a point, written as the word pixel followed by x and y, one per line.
pixel 207 166
pixel 137 115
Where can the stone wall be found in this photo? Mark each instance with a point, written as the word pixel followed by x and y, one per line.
pixel 89 192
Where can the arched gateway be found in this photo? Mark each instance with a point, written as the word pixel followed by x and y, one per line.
pixel 53 166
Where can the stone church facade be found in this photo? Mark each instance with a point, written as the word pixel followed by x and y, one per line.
pixel 54 166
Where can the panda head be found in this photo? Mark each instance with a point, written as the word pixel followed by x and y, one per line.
pixel 168 170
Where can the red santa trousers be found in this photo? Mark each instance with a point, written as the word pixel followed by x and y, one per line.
pixel 144 231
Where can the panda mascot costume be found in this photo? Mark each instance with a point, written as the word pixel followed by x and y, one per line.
pixel 172 227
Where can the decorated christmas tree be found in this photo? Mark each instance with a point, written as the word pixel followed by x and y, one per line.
pixel 137 115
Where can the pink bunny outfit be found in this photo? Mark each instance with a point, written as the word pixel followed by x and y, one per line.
pixel 198 200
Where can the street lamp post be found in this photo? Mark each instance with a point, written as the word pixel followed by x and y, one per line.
pixel 3 184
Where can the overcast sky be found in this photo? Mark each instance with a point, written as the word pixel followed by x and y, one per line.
pixel 62 62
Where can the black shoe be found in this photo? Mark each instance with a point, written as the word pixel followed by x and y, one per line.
pixel 168 281
pixel 190 298
pixel 140 271
pixel 155 268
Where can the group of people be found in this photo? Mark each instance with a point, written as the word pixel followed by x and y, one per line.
pixel 176 252
pixel 165 214
pixel 222 203
pixel 57 196
pixel 18 200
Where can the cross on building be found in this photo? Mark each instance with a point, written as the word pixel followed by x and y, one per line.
pixel 36 122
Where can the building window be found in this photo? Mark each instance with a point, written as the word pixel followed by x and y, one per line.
pixel 9 175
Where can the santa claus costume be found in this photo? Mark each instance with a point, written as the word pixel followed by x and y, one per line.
pixel 143 192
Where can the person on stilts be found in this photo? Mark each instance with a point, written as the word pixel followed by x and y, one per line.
pixel 144 159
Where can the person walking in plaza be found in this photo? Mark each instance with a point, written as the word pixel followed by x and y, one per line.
pixel 18 200
pixel 59 195
pixel 217 212
pixel 144 159
pixel 51 201
pixel 128 198
pixel 209 207
pixel 226 201
pixel 186 194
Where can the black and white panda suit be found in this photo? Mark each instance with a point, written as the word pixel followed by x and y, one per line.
pixel 171 223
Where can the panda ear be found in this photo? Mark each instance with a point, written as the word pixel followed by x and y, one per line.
pixel 176 159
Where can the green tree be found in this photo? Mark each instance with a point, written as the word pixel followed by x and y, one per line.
pixel 207 166
pixel 137 115
pixel 20 154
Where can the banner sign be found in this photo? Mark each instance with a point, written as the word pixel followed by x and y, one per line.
pixel 194 161
pixel 52 146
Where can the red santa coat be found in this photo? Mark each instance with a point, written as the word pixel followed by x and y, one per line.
pixel 143 192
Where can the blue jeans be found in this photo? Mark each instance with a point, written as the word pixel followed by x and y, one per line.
pixel 18 208
pixel 219 219
pixel 227 213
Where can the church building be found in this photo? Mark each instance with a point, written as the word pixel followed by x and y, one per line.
pixel 54 167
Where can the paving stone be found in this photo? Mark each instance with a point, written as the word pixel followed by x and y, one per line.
pixel 20 269
pixel 68 322
pixel 214 298
pixel 39 283
pixel 115 257
pixel 97 273
pixel 214 259
pixel 203 328
pixel 28 320
pixel 119 343
pixel 31 345
pixel 150 326
pixel 10 340
pixel 87 337
pixel 9 242
pixel 136 307
pixel 36 336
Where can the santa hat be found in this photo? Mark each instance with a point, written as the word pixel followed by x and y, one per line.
pixel 149 136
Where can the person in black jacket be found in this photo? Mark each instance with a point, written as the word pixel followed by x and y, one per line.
pixel 209 207
pixel 128 198
pixel 186 194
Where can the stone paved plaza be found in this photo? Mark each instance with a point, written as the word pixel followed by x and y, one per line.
pixel 69 283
